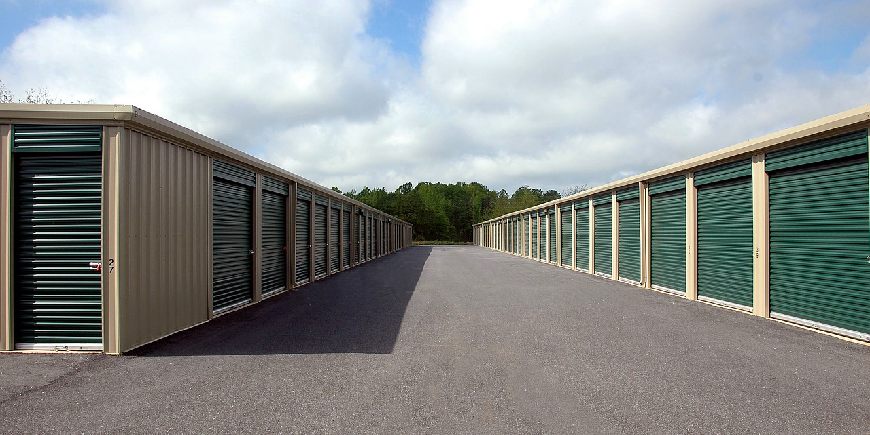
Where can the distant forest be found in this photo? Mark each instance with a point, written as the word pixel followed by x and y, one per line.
pixel 445 212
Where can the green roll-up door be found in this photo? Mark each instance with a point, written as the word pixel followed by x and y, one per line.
pixel 361 238
pixel 334 240
pixel 369 240
pixel 725 233
pixel 376 237
pixel 567 226
pixel 233 235
pixel 551 219
pixel 603 235
pixel 518 224
pixel 273 257
pixel 345 238
pixel 581 234
pixel 320 240
pixel 629 234
pixel 303 236
pixel 820 234
pixel 535 252
pixel 668 234
pixel 526 246
pixel 542 236
pixel 57 225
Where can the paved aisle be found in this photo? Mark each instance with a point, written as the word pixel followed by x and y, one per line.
pixel 457 339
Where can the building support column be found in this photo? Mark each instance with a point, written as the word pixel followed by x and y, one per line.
pixel 573 235
pixel 329 236
pixel 341 238
pixel 614 236
pixel 6 297
pixel 591 237
pixel 761 238
pixel 558 235
pixel 258 239
pixel 691 238
pixel 645 239
pixel 291 236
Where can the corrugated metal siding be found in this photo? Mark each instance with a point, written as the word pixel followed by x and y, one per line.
pixel 581 234
pixel 56 138
pixel 725 240
pixel 728 171
pixel 57 233
pixel 668 185
pixel 276 186
pixel 236 174
pixel 848 145
pixel 668 240
pixel 629 238
pixel 163 269
pixel 603 237
pixel 820 241
pixel 303 237
pixel 628 193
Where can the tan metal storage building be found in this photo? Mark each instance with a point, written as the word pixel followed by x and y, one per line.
pixel 778 226
pixel 120 227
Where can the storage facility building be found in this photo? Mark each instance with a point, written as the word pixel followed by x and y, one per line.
pixel 120 227
pixel 777 226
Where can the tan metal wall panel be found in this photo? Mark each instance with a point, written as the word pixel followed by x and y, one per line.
pixel 165 252
pixel 6 304
pixel 112 139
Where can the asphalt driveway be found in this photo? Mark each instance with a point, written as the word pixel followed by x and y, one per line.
pixel 456 340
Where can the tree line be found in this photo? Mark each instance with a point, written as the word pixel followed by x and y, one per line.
pixel 446 212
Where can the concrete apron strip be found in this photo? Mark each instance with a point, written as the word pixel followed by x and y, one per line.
pixel 831 331
pixel 845 334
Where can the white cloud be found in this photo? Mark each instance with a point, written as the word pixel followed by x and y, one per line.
pixel 548 93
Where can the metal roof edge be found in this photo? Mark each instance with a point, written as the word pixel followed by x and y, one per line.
pixel 152 121
pixel 88 112
pixel 132 115
pixel 806 130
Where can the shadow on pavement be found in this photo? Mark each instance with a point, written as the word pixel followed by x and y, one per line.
pixel 357 311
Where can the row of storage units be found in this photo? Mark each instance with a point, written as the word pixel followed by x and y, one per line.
pixel 120 228
pixel 778 226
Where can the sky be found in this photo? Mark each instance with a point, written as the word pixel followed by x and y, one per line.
pixel 549 94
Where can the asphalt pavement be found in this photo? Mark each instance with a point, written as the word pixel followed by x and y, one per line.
pixel 456 340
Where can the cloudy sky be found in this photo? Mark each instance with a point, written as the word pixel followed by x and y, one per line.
pixel 543 93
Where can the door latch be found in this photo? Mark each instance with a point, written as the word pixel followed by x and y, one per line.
pixel 96 266
pixel 251 252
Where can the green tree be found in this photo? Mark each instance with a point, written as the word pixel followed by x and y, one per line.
pixel 446 212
